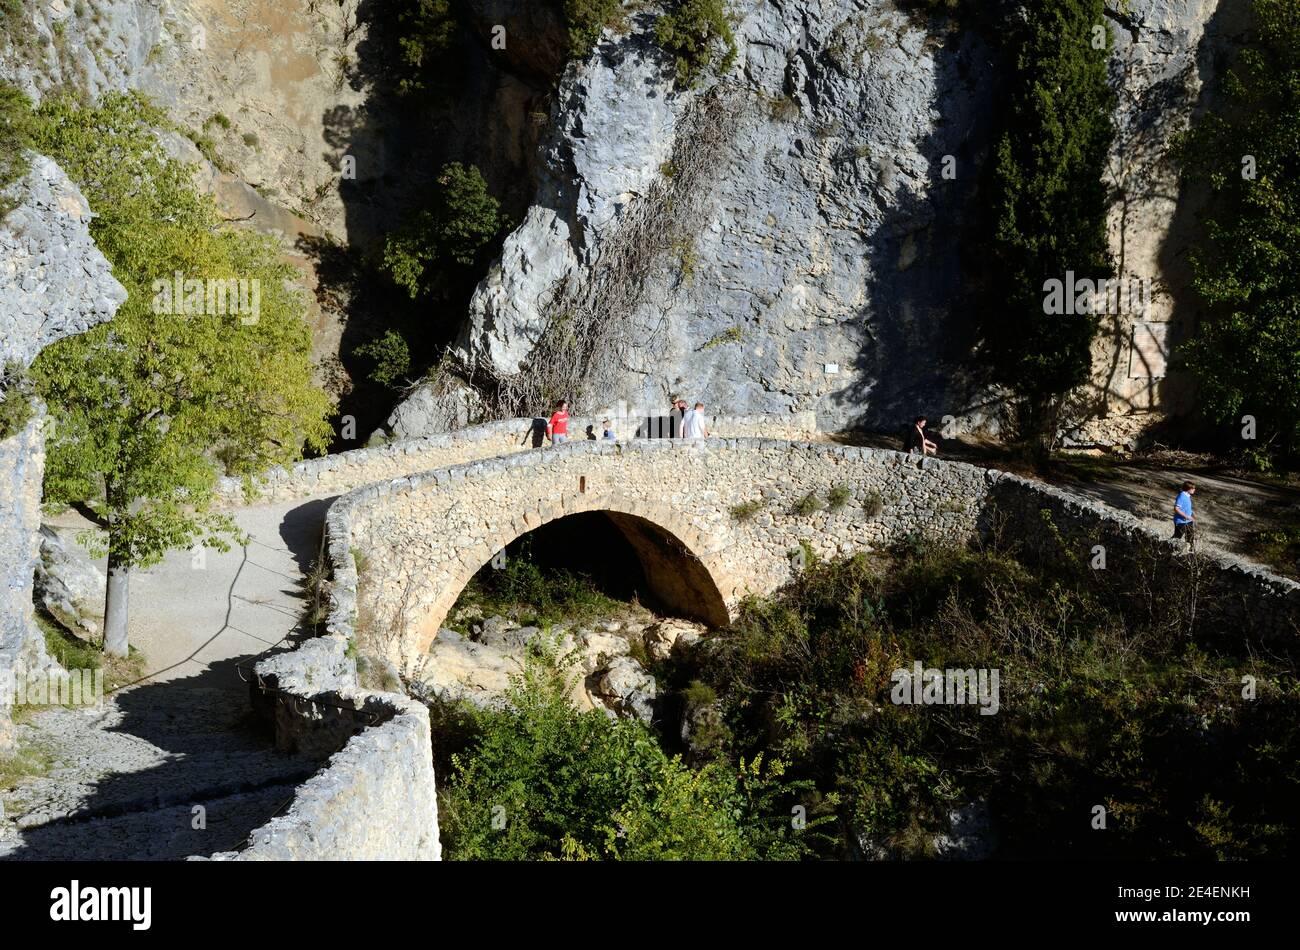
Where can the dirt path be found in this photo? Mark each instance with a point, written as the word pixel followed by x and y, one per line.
pixel 125 780
pixel 1229 510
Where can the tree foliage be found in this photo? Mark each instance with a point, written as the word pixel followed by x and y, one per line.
pixel 1245 352
pixel 1049 205
pixel 427 35
pixel 698 35
pixel 151 407
pixel 15 140
pixel 391 356
pixel 461 221
pixel 542 780
pixel 586 19
pixel 1101 701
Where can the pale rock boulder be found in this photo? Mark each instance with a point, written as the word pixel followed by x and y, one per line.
pixel 625 687
pixel 671 635
pixel 54 283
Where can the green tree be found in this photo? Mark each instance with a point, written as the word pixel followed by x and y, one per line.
pixel 151 407
pixel 698 35
pixel 1049 205
pixel 391 355
pixel 428 34
pixel 461 221
pixel 1245 352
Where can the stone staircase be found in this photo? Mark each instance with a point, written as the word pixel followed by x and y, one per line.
pixel 160 772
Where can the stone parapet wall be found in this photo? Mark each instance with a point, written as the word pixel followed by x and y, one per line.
pixel 375 799
pixel 336 474
pixel 1220 594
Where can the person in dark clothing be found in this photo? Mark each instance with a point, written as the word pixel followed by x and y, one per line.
pixel 676 417
pixel 915 441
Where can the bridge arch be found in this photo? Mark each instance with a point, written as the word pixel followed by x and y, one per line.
pixel 682 569
pixel 712 521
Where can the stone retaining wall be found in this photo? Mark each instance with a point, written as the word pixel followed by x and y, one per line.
pixel 1221 595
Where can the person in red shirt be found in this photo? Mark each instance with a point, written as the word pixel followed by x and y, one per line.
pixel 558 427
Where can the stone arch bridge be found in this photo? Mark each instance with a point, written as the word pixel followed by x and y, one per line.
pixel 403 550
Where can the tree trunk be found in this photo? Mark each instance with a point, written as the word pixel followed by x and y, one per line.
pixel 115 608
pixel 116 597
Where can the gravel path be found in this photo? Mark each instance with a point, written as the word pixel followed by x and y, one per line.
pixel 126 780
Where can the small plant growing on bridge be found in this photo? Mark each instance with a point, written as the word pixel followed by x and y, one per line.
pixel 873 505
pixel 746 510
pixel 838 497
pixel 809 504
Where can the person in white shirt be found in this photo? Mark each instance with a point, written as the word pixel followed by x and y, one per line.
pixel 693 426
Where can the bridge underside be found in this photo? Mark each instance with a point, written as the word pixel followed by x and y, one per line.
pixel 679 581
pixel 671 577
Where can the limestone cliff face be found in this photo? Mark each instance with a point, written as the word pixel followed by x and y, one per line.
pixel 824 271
pixel 820 270
pixel 54 283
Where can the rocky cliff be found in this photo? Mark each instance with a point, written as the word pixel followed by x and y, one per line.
pixel 822 268
pixel 54 283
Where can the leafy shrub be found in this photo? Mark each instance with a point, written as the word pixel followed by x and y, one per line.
pixel 462 219
pixel 873 505
pixel 1097 706
pixel 746 510
pixel 391 355
pixel 838 497
pixel 523 589
pixel 807 505
pixel 15 140
pixel 16 407
pixel 538 779
pixel 427 33
pixel 586 19
pixel 698 35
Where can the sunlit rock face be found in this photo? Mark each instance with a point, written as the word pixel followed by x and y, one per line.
pixel 820 269
pixel 54 283
pixel 825 270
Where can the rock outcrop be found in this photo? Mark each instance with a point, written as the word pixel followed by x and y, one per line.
pixel 824 271
pixel 54 283
pixel 821 267
pixel 478 666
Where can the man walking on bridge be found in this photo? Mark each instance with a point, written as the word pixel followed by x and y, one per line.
pixel 693 425
pixel 1184 520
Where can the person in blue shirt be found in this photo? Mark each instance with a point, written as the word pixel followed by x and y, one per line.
pixel 1184 519
pixel 607 433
